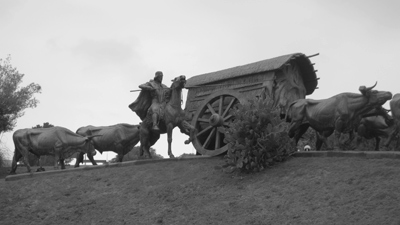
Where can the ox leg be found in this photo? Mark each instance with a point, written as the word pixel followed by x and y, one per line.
pixel 358 143
pixel 56 159
pixel 319 141
pixel 377 141
pixel 79 159
pixel 90 157
pixel 338 132
pixel 120 157
pixel 26 162
pixel 62 163
pixel 350 140
pixel 391 136
pixel 302 129
pixel 169 134
pixel 294 127
pixel 336 143
pixel 16 157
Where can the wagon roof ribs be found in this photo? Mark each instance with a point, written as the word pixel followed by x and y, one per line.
pixel 306 67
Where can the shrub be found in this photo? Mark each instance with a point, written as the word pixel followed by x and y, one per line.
pixel 1 158
pixel 134 154
pixel 257 137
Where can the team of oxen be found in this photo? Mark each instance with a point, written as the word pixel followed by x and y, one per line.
pixel 351 113
pixel 62 143
pixel 343 113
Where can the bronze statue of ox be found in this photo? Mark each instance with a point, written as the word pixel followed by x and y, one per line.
pixel 395 109
pixel 56 141
pixel 119 138
pixel 338 114
pixel 374 127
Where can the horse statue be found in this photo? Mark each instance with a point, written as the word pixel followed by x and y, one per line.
pixel 172 115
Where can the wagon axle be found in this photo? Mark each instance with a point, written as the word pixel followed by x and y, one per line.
pixel 216 120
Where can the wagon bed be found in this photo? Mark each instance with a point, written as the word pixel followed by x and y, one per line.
pixel 211 95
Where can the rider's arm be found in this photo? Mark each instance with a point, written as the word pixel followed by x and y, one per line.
pixel 146 87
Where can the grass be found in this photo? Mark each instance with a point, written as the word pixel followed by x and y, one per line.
pixel 299 191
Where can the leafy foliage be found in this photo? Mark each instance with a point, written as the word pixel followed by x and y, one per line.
pixel 134 154
pixel 14 99
pixel 1 158
pixel 257 137
pixel 308 138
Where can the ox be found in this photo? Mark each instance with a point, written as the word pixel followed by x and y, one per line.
pixel 57 141
pixel 338 114
pixel 119 138
pixel 375 124
pixel 395 109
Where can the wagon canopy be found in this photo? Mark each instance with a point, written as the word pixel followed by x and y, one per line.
pixel 306 70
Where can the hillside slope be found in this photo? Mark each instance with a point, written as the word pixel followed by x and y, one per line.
pixel 298 191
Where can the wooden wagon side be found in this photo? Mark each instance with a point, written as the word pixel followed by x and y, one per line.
pixel 210 96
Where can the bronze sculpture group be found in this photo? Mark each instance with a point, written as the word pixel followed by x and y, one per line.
pixel 160 109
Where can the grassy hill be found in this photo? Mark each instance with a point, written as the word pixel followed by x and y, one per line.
pixel 328 190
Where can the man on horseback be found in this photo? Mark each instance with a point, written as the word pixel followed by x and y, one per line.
pixel 151 100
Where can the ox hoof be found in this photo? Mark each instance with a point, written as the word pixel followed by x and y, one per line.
pixel 171 156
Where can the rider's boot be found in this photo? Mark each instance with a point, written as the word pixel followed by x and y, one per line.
pixel 155 122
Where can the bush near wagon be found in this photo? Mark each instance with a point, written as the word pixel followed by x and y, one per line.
pixel 257 137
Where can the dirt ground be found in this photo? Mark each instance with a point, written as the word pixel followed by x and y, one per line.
pixel 299 191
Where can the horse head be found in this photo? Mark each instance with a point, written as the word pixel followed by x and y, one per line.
pixel 178 82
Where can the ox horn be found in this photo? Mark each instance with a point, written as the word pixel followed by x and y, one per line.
pixel 92 136
pixel 370 88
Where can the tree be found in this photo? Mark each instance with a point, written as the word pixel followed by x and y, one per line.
pixel 14 98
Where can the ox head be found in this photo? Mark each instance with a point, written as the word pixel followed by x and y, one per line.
pixel 88 145
pixel 380 111
pixel 375 98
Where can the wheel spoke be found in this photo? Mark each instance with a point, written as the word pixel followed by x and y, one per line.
pixel 207 142
pixel 203 131
pixel 229 106
pixel 210 108
pixel 228 117
pixel 217 140
pixel 221 102
pixel 203 120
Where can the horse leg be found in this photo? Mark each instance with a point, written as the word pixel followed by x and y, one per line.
pixel 187 129
pixel 144 142
pixel 169 135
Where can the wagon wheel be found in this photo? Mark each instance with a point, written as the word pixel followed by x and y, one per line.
pixel 212 114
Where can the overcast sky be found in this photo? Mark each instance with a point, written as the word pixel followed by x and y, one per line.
pixel 88 55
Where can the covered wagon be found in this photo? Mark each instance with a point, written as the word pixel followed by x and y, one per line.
pixel 211 95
